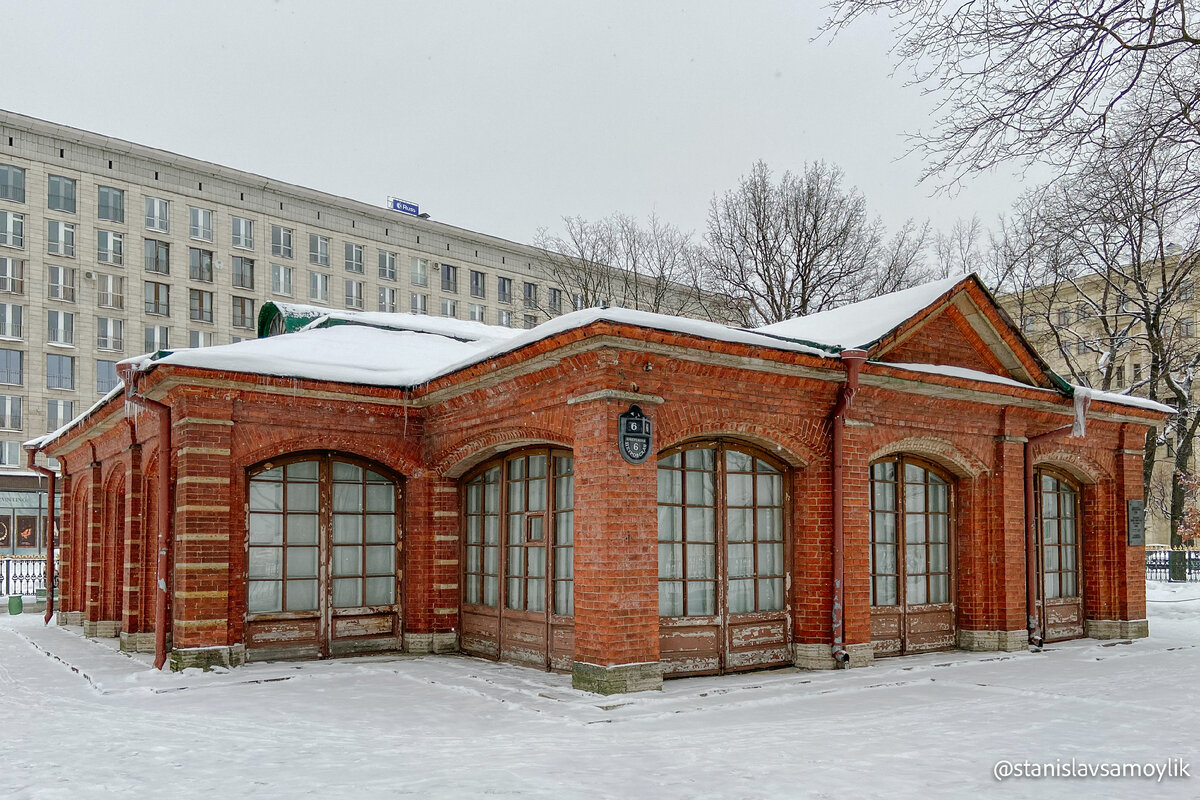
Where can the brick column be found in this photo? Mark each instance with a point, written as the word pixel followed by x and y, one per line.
pixel 202 631
pixel 136 633
pixel 856 488
pixel 616 557
pixel 1114 573
pixel 996 594
pixel 430 562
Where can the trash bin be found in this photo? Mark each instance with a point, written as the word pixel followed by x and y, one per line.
pixel 16 604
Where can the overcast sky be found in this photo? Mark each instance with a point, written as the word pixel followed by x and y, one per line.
pixel 500 117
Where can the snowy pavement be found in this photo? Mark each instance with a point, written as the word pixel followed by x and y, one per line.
pixel 82 720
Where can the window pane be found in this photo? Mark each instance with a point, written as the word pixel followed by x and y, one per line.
pixel 741 561
pixel 381 497
pixel 347 560
pixel 266 529
pixel 738 462
pixel 264 596
pixel 700 488
pixel 564 561
pixel 382 591
pixel 885 559
pixel 302 562
pixel 347 592
pixel 770 490
pixel 348 528
pixel 670 523
pixel 914 559
pixel 670 599
pixel 347 472
pixel 303 471
pixel 885 591
pixel 739 489
pixel 915 589
pixel 302 528
pixel 741 596
pixel 382 529
pixel 302 595
pixel 266 562
pixel 701 561
pixel 302 497
pixel 266 496
pixel 770 559
pixel 770 594
pixel 741 524
pixel 701 598
pixel 770 524
pixel 670 486
pixel 939 589
pixel 701 525
pixel 347 497
pixel 914 528
pixel 884 528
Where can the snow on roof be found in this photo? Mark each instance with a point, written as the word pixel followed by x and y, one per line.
pixel 457 328
pixel 859 324
pixel 34 444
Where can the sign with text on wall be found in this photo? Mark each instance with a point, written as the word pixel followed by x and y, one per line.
pixel 403 206
pixel 634 435
pixel 1137 522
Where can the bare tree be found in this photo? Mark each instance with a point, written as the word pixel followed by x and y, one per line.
pixel 803 245
pixel 1042 79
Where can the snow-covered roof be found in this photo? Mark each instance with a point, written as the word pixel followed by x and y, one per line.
pixel 306 316
pixel 860 324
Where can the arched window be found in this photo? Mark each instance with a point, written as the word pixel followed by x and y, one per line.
pixel 322 541
pixel 721 562
pixel 910 556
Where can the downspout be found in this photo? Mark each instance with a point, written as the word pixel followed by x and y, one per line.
pixel 1034 623
pixel 853 360
pixel 164 517
pixel 51 476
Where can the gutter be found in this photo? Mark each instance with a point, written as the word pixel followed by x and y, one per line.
pixel 51 476
pixel 853 359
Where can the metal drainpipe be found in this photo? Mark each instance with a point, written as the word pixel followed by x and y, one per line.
pixel 164 517
pixel 1034 623
pixel 853 360
pixel 51 476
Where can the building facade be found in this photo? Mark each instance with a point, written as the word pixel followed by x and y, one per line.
pixel 624 496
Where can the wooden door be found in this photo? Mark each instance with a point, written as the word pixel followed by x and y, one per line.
pixel 1060 595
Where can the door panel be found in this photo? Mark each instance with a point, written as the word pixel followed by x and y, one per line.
pixel 1059 578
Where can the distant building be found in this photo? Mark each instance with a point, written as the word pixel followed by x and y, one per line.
pixel 621 495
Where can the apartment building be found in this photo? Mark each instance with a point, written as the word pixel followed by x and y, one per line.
pixel 109 249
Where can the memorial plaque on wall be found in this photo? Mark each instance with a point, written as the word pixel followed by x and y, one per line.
pixel 1137 523
pixel 634 435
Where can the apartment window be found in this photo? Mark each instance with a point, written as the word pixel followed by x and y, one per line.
pixel 318 286
pixel 201 339
pixel 577 301
pixel 1187 328
pixel 1082 312
pixel 387 265
pixel 157 215
pixel 12 229
pixel 478 284
pixel 243 312
pixel 158 257
pixel 243 272
pixel 1119 375
pixel 419 303
pixel 60 327
pixel 318 249
pixel 449 307
pixel 12 183
pixel 420 272
pixel 10 412
pixel 354 258
pixel 110 204
pixel 12 367
pixel 476 312
pixel 555 301
pixel 200 224
pixel 200 305
pixel 61 283
pixel 1137 372
pixel 110 248
pixel 61 194
pixel 387 299
pixel 11 317
pixel 106 376
pixel 281 241
pixel 158 337
pixel 1081 348
pixel 59 413
pixel 281 279
pixel 158 298
pixel 354 294
pixel 504 290
pixel 531 295
pixel 10 454
pixel 60 372
pixel 12 276
pixel 1187 290
pixel 504 318
pixel 110 291
pixel 1028 323
pixel 243 233
pixel 200 266
pixel 449 278
pixel 109 333
pixel 1064 317
pixel 60 238
pixel 530 321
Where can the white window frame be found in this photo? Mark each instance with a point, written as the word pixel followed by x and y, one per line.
pixel 318 249
pixel 12 321
pixel 113 192
pixel 100 389
pixel 10 412
pixel 419 271
pixel 354 295
pixel 110 247
pixel 12 276
pixel 60 238
pixel 242 319
pixel 281 241
pixel 318 287
pixel 201 338
pixel 58 413
pixel 449 307
pixel 110 291
pixel 418 303
pixel 60 283
pixel 387 299
pixel 158 215
pixel 243 233
pixel 12 229
pixel 69 208
pixel 109 333
pixel 200 224
pixel 477 312
pixel 160 339
pixel 281 279
pixel 354 258
pixel 60 327
pixel 387 265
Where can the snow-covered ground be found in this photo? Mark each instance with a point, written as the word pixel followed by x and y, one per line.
pixel 81 720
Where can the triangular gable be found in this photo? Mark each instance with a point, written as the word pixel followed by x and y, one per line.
pixel 965 327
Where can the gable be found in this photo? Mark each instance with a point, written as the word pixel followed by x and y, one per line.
pixel 948 339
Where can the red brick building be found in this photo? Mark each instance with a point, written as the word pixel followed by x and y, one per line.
pixel 822 492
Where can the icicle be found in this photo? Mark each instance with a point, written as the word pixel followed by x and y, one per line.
pixel 1083 399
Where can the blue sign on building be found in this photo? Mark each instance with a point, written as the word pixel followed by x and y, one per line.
pixel 403 206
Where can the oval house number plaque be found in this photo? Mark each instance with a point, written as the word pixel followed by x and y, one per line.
pixel 633 436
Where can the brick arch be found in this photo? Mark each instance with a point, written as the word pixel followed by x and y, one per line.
pixel 798 446
pixel 1078 466
pixel 395 459
pixel 457 460
pixel 112 541
pixel 940 451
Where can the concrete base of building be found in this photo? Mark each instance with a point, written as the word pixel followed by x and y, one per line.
pixel 62 618
pixel 820 656
pixel 431 642
pixel 101 629
pixel 617 679
pixel 989 641
pixel 1116 628
pixel 206 658
pixel 137 642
